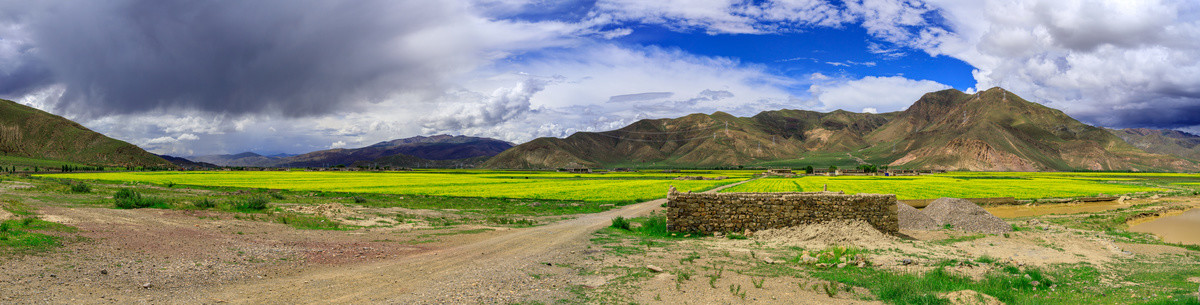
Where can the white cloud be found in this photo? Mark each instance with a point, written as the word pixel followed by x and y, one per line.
pixel 870 110
pixel 338 144
pixel 886 94
pixel 726 16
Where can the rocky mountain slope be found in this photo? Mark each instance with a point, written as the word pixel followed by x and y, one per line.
pixel 31 133
pixel 989 130
pixel 1162 141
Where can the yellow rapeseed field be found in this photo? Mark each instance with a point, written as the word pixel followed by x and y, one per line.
pixel 607 187
pixel 975 184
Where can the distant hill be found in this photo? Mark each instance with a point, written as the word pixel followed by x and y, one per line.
pixel 1162 141
pixel 31 133
pixel 407 161
pixel 438 147
pixel 424 149
pixel 989 130
pixel 187 164
pixel 247 159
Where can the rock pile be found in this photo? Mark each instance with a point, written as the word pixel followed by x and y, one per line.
pixel 912 219
pixel 855 233
pixel 966 216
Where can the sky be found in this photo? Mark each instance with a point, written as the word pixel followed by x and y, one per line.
pixel 291 76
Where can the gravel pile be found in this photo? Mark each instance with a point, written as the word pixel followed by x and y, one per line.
pixel 966 216
pixel 913 219
pixel 838 232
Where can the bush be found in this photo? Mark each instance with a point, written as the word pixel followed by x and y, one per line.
pixel 360 199
pixel 204 203
pixel 81 188
pixel 251 204
pixel 130 199
pixel 620 223
pixel 277 196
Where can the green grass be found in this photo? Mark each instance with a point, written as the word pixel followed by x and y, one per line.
pixel 976 185
pixel 954 240
pixel 653 226
pixel 23 162
pixel 309 222
pixel 25 235
pixel 606 188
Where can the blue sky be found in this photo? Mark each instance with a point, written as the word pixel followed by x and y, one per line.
pixel 829 51
pixel 270 76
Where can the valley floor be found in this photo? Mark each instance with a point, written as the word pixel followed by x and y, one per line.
pixel 406 256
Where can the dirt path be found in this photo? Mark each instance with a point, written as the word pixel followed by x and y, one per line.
pixel 492 270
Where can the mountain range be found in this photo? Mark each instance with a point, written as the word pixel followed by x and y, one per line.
pixel 991 130
pixel 26 132
pixel 420 151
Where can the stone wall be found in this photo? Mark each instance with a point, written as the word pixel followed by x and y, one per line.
pixel 736 212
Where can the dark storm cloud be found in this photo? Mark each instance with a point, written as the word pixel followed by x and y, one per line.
pixel 1178 112
pixel 295 57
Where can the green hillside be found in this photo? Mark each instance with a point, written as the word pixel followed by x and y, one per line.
pixel 31 137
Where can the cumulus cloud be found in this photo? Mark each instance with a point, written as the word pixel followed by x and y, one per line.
pixel 502 105
pixel 873 94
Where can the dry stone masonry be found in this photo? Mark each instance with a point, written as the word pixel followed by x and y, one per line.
pixel 737 212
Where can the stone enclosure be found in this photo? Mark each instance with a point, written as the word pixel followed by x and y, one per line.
pixel 736 212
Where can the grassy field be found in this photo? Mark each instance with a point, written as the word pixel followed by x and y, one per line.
pixel 607 187
pixel 24 164
pixel 979 185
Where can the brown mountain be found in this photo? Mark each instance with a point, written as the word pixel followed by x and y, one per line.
pixel 989 130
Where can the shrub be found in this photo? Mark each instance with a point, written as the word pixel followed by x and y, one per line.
pixel 81 188
pixel 170 184
pixel 204 203
pixel 512 221
pixel 360 199
pixel 250 204
pixel 620 223
pixel 130 199
pixel 277 196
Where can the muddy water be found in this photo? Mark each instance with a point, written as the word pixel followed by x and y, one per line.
pixel 1182 228
pixel 1014 211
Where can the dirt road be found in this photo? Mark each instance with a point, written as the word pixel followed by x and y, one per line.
pixel 496 269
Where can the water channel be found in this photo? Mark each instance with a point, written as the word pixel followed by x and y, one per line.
pixel 1182 228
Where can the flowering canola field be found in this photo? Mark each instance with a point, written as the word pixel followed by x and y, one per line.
pixel 976 184
pixel 607 187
